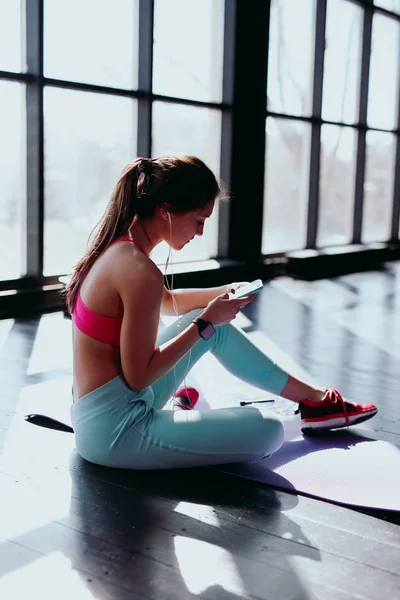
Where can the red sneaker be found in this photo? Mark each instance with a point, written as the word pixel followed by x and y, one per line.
pixel 333 412
pixel 185 398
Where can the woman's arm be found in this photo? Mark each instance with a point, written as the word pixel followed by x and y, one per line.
pixel 141 292
pixel 142 363
pixel 189 299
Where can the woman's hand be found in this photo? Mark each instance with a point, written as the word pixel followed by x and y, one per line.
pixel 223 309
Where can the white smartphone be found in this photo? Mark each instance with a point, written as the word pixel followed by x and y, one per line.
pixel 251 288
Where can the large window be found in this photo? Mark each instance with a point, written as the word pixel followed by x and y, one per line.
pixel 82 135
pixel 128 78
pixel 290 56
pixel 383 98
pixel 337 184
pixel 187 64
pixel 11 34
pixel 289 91
pixel 188 49
pixel 378 186
pixel 384 73
pixel 393 5
pixel 286 185
pixel 12 180
pixel 340 102
pixel 321 85
pixel 176 129
pixel 88 139
pixel 91 41
pixel 342 61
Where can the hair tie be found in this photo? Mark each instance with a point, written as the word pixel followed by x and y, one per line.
pixel 145 165
pixel 143 179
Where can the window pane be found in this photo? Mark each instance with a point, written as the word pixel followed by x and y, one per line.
pixel 342 61
pixel 12 179
pixel 378 186
pixel 291 56
pixel 337 180
pixel 181 129
pixel 91 41
pixel 10 35
pixel 89 138
pixel 286 185
pixel 383 78
pixel 188 49
pixel 393 5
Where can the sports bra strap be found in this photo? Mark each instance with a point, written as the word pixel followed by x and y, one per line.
pixel 126 238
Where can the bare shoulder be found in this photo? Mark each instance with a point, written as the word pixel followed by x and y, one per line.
pixel 133 272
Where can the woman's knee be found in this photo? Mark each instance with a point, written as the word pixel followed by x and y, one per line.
pixel 279 433
pixel 273 434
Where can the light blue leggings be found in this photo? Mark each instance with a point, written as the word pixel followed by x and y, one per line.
pixel 116 426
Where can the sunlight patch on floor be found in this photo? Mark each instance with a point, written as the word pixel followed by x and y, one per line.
pixel 26 508
pixel 203 565
pixel 5 328
pixel 51 397
pixel 201 512
pixel 46 577
pixel 53 345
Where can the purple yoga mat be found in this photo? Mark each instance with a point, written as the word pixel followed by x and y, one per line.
pixel 339 466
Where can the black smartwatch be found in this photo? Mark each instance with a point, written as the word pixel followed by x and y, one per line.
pixel 206 329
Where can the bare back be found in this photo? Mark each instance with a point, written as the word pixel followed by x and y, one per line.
pixel 123 271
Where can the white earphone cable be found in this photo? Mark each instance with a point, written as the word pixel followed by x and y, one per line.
pixel 174 303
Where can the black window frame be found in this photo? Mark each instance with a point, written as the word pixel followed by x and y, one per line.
pixel 243 139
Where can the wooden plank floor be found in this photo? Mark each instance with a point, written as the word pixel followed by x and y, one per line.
pixel 70 529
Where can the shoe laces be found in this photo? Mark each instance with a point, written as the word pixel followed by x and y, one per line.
pixel 333 396
pixel 336 397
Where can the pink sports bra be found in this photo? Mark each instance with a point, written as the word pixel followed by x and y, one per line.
pixel 104 329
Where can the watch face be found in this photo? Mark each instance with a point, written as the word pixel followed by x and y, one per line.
pixel 208 332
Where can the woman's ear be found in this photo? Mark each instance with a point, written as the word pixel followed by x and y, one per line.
pixel 164 214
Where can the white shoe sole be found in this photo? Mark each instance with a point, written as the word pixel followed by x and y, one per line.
pixel 338 422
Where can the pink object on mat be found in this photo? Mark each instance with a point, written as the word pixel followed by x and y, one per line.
pixel 186 398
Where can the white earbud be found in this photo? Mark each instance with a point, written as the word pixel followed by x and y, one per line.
pixel 170 228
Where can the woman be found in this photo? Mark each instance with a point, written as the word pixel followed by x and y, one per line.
pixel 125 371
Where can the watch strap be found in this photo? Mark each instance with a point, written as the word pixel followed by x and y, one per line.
pixel 203 326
